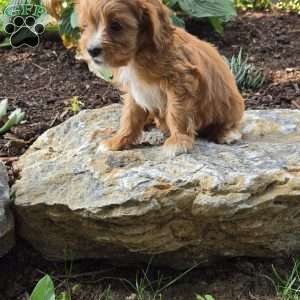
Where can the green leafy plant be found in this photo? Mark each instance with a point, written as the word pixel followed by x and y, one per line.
pixel 105 74
pixel 3 4
pixel 8 121
pixel 64 296
pixel 253 4
pixel 106 295
pixel 206 297
pixel 146 289
pixel 246 75
pixel 68 23
pixel 288 287
pixel 44 290
pixel 76 105
pixel 289 5
pixel 217 12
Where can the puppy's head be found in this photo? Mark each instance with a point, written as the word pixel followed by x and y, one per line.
pixel 114 31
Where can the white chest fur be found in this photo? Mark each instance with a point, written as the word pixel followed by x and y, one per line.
pixel 147 96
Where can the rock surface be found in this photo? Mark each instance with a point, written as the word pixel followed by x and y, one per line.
pixel 218 201
pixel 7 239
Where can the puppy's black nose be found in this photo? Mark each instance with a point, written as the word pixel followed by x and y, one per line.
pixel 94 52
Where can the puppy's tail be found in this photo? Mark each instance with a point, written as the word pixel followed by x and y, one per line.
pixel 53 7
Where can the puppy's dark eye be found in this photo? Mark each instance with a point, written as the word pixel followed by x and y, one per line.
pixel 115 26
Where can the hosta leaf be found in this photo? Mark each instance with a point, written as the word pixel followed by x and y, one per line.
pixel 44 290
pixel 65 25
pixel 217 25
pixel 178 21
pixel 74 20
pixel 105 74
pixel 171 3
pixel 208 8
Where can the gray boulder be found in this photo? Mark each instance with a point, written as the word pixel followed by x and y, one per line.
pixel 7 239
pixel 218 201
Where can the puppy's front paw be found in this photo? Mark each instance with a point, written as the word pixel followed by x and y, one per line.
pixel 113 144
pixel 174 146
pixel 102 148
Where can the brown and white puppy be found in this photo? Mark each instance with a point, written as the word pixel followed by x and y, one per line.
pixel 168 73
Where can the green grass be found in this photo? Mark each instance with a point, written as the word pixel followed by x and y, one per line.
pixel 152 289
pixel 288 286
pixel 107 294
pixel 144 287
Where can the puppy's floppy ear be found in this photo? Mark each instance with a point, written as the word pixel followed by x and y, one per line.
pixel 156 21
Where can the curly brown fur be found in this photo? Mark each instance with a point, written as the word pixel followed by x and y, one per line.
pixel 182 81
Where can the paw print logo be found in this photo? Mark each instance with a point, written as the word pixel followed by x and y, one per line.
pixel 24 31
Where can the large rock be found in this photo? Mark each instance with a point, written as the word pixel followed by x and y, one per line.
pixel 218 201
pixel 6 219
